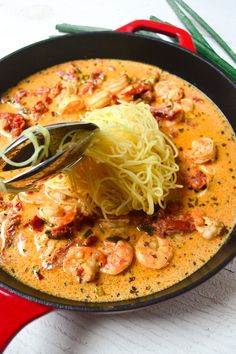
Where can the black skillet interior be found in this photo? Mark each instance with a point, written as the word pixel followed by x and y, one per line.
pixel 170 57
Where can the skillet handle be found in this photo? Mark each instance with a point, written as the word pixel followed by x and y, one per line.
pixel 15 313
pixel 185 40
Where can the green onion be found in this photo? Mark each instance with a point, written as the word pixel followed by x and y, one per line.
pixel 208 53
pixel 149 34
pixel 208 29
pixel 216 59
pixel 148 228
pixel 154 18
pixel 67 28
pixel 188 24
pixel 88 233
pixel 116 238
pixel 200 44
pixel 99 291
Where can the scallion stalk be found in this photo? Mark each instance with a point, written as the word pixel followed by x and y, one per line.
pixel 208 29
pixel 67 28
pixel 188 24
pixel 73 29
pixel 216 59
pixel 201 44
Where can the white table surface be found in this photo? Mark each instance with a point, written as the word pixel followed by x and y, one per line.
pixel 200 321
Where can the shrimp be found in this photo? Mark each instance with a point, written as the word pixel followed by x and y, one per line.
pixel 31 197
pixel 118 225
pixel 71 104
pixel 99 99
pixel 203 150
pixel 21 244
pixel 153 252
pixel 84 262
pixel 58 215
pixel 168 90
pixel 173 114
pixel 211 228
pixel 9 223
pixel 187 105
pixel 116 85
pixel 119 256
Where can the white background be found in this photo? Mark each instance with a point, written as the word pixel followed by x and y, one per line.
pixel 201 321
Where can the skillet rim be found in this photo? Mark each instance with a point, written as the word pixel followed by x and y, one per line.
pixel 128 34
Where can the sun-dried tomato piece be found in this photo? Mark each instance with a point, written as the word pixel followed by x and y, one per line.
pixel 79 271
pixel 138 90
pixel 40 107
pixel 66 76
pixel 14 123
pixel 65 231
pixel 91 240
pixel 173 206
pixel 48 100
pixel 22 93
pixel 88 88
pixel 56 90
pixel 114 100
pixel 97 77
pixel 170 114
pixel 56 259
pixel 195 179
pixel 14 221
pixel 180 224
pixel 38 275
pixel 38 92
pixel 37 223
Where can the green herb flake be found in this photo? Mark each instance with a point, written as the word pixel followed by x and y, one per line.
pixel 131 279
pixel 88 233
pixel 99 291
pixel 134 290
pixel 38 275
pixel 84 79
pixel 114 238
pixel 48 233
pixel 148 228
pixel 101 228
pixel 79 71
pixel 23 111
pixel 54 114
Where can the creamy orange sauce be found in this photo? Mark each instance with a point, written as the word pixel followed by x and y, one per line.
pixel 191 251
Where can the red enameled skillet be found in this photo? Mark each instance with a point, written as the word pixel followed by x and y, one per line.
pixel 20 304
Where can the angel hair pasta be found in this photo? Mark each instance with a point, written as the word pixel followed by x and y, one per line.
pixel 130 163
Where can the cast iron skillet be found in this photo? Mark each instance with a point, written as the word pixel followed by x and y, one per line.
pixel 18 310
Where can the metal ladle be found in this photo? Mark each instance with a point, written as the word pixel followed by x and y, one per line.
pixel 22 148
